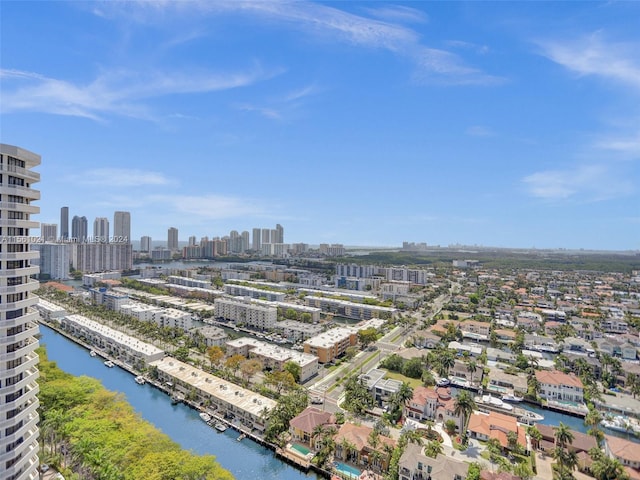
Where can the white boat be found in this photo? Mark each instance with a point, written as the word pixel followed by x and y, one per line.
pixel 494 402
pixel 509 397
pixel 528 417
pixel 92 353
pixel 620 424
pixel 221 427
pixel 109 364
pixel 140 380
pixel 205 417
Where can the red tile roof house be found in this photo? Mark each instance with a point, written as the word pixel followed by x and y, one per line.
pixel 485 426
pixel 430 403
pixel 581 443
pixel 352 445
pixel 302 426
pixel 557 385
pixel 626 451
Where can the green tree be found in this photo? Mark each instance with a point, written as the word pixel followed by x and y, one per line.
pixel 367 337
pixel 294 369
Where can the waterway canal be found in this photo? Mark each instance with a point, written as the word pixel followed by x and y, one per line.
pixel 245 459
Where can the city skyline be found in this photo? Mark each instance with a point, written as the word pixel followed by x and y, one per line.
pixel 506 125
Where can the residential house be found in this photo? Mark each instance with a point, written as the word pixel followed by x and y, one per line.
pixel 432 403
pixel 415 465
pixel 559 386
pixel 380 388
pixel 303 426
pixel 626 451
pixel 581 443
pixel 485 426
pixel 352 445
pixel 425 339
pixel 502 382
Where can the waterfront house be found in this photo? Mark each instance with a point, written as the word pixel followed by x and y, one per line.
pixel 559 386
pixel 581 443
pixel 485 426
pixel 381 388
pixel 415 465
pixel 353 445
pixel 303 426
pixel 626 451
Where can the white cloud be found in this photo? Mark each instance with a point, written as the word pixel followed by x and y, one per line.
pixel 398 13
pixel 592 55
pixel 121 177
pixel 267 112
pixel 118 92
pixel 331 24
pixel 479 131
pixel 625 145
pixel 584 182
pixel 480 49
pixel 209 206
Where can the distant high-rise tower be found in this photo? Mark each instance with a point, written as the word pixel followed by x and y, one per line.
pixel 79 228
pixel 18 321
pixel 64 223
pixel 122 227
pixel 266 235
pixel 245 241
pixel 101 230
pixel 192 241
pixel 279 234
pixel 172 238
pixel 255 240
pixel 49 232
pixel 145 244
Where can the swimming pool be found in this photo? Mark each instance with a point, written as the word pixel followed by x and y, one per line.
pixel 300 449
pixel 347 470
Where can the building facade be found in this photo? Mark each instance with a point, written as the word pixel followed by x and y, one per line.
pixel 79 229
pixel 18 318
pixel 122 227
pixel 172 238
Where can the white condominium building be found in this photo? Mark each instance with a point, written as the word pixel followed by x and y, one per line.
pixel 247 313
pixel 18 319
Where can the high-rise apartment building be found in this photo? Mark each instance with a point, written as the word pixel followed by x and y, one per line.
pixel 64 223
pixel 18 321
pixel 101 230
pixel 79 229
pixel 279 234
pixel 245 241
pixel 266 235
pixel 172 238
pixel 255 240
pixel 49 232
pixel 122 227
pixel 145 244
pixel 192 241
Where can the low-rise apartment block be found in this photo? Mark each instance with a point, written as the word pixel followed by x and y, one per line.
pixel 295 331
pixel 125 348
pixel 272 356
pixel 244 291
pixel 331 344
pixel 226 397
pixel 359 311
pixel 50 311
pixel 245 312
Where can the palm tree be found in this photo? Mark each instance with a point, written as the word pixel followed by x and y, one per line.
pixel 593 419
pixel 464 405
pixel 413 436
pixel 472 367
pixel 566 460
pixel 606 468
pixel 535 435
pixel 405 393
pixel 433 449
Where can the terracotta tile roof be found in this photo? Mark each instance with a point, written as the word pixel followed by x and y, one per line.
pixel 358 435
pixel 310 418
pixel 496 425
pixel 624 449
pixel 581 441
pixel 556 377
pixel 58 286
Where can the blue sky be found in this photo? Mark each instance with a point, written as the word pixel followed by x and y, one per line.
pixel 363 123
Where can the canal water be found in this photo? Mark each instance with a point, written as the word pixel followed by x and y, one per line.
pixel 244 459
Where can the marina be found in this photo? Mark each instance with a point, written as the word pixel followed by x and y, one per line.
pixel 180 422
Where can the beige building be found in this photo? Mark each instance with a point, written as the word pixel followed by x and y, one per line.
pixel 331 344
pixel 226 398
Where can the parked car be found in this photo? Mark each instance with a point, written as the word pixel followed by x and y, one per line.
pixel 317 400
pixel 443 382
pixel 44 468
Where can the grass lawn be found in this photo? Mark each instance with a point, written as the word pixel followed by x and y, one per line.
pixel 413 382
